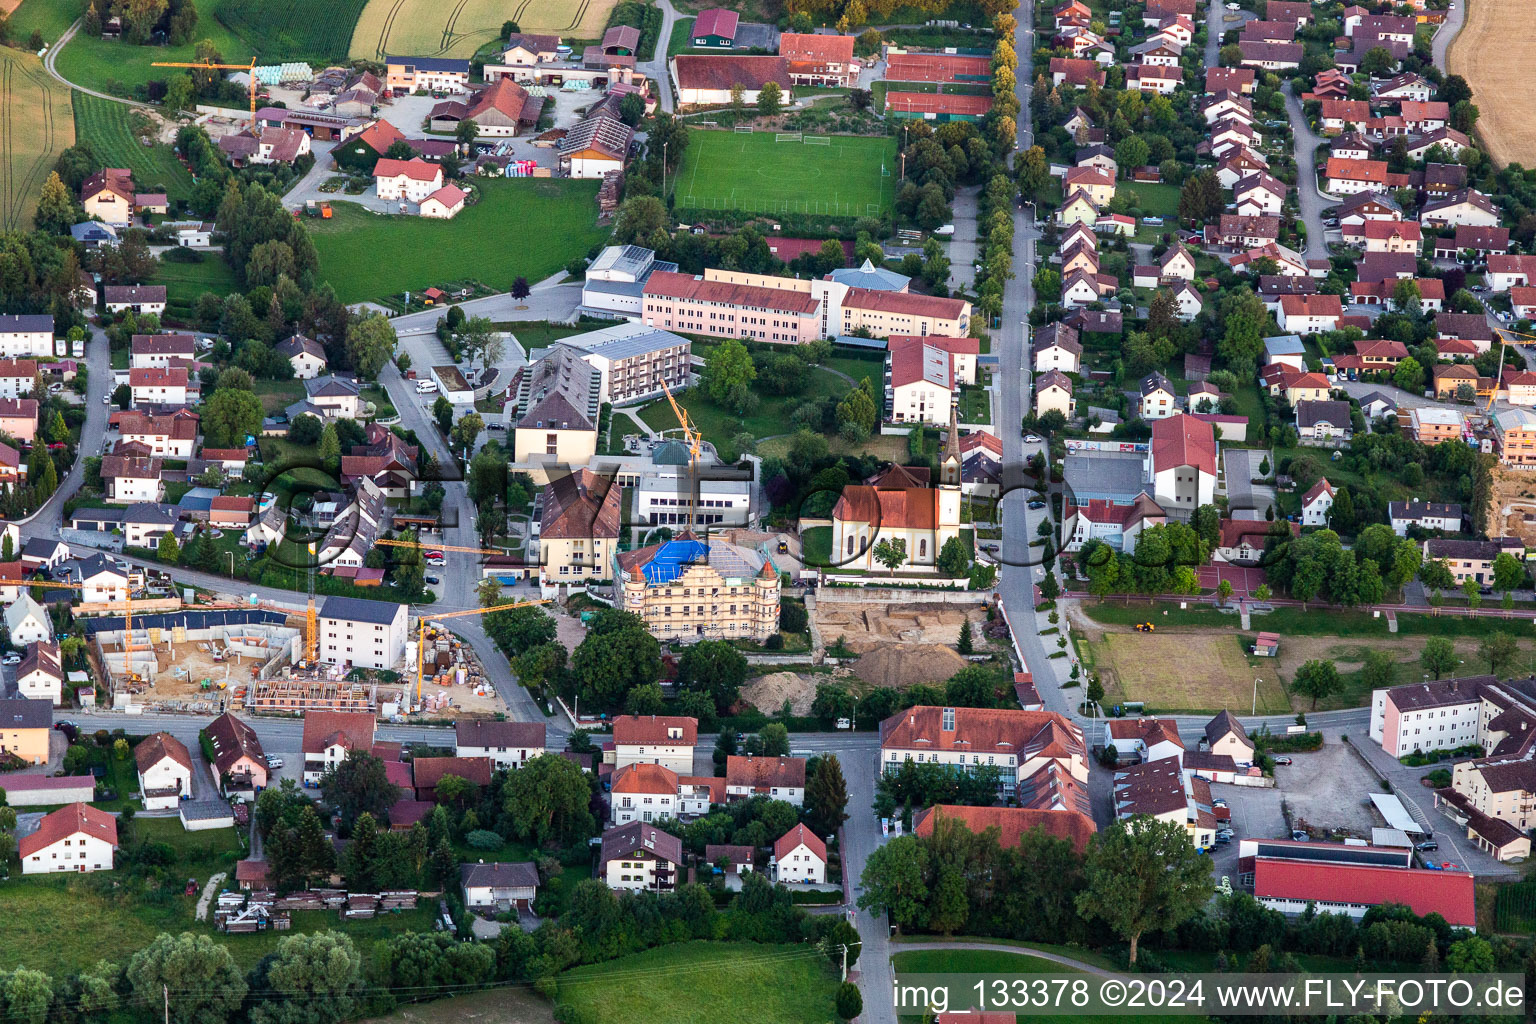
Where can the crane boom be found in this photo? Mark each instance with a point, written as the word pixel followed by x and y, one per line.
pixel 691 436
pixel 209 66
pixel 1506 337
pixel 421 630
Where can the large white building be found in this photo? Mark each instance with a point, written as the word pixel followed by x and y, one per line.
pixel 77 838
pixel 634 362
pixel 616 279
pixel 1018 743
pixel 362 634
pixel 655 739
pixel 26 334
pixel 1440 715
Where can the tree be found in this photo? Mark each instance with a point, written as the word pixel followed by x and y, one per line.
pixel 856 415
pixel 315 977
pixel 632 111
pixel 467 131
pixel 1378 60
pixel 891 553
pixel 229 417
pixel 850 1004
pixel 359 784
pixel 768 99
pixel 1500 650
pixel 1224 591
pixel 546 800
pixel 618 653
pixel 826 795
pixel 1377 673
pixel 1436 575
pixel 1472 955
pixel 894 881
pixel 520 288
pixel 1409 375
pixel 728 372
pixel 209 987
pixel 1438 656
pixel 774 739
pixel 713 667
pixel 954 559
pixel 466 431
pixel 1472 592
pixel 639 218
pixel 1316 679
pixel 1143 874
pixel 1261 592
pixel 55 206
pixel 1508 572
pixel 370 343
pixel 964 644
pixel 168 550
pixel 329 448
pixel 1201 198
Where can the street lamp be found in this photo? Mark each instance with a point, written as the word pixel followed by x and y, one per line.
pixel 231 555
pixel 1255 696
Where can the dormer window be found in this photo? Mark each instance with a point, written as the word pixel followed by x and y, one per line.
pixel 948 720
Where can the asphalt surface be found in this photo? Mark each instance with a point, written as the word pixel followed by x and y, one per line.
pixel 1312 202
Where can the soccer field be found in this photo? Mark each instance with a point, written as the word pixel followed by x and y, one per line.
pixel 836 175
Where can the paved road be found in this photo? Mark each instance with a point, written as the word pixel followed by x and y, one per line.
pixel 1312 203
pixel 964 247
pixel 656 68
pixel 548 300
pixel 48 520
pixel 308 187
pixel 1446 34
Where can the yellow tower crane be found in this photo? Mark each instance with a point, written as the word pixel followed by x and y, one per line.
pixel 1506 337
pixel 207 66
pixel 421 634
pixel 691 437
pixel 127 603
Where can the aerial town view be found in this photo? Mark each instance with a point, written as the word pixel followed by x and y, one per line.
pixel 788 512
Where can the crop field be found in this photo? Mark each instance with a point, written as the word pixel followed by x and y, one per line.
pixel 457 28
pixel 527 227
pixel 36 125
pixel 837 175
pixel 293 29
pixel 1482 54
pixel 108 127
pixel 1183 672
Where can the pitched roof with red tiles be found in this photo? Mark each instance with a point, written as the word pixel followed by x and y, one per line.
pixel 1311 305
pixel 352 729
pixel 427 772
pixel 826 49
pixel 156 748
pixel 644 778
pixel 507 98
pixel 1447 893
pixel 765 773
pixel 581 505
pixel 905 303
pixel 1183 441
pixel 712 72
pixel 1011 823
pixel 1317 490
pixel 629 730
pixel 380 136
pixel 667 284
pixel 716 21
pixel 66 822
pixel 158 377
pixel 979 730
pixel 415 168
pixel 797 836
pixel 898 508
pixel 1078 72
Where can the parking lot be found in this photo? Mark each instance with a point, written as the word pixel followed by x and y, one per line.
pixel 1330 789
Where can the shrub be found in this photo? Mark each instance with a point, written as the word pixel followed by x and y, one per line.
pixel 484 839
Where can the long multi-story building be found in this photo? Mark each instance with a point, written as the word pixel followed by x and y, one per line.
pixel 634 362
pixel 1022 745
pixel 686 588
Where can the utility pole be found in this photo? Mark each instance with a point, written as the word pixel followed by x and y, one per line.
pixel 663 172
pixel 166 989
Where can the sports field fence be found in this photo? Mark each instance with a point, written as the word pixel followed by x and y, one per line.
pixel 820 207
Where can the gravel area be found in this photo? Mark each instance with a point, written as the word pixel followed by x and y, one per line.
pixel 1330 788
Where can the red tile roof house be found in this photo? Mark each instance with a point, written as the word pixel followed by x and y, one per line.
pixel 77 838
pixel 18 419
pixel 819 60
pixel 1011 822
pixel 505 108
pixel 706 80
pixel 800 856
pixel 654 739
pixel 778 778
pixel 238 760
pixel 1020 743
pixel 231 512
pixel 330 735
pixel 151 386
pixel 427 772
pixel 650 792
pixel 406 180
pixel 165 771
pixel 506 744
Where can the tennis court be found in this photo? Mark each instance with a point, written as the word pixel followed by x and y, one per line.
pixel 787 172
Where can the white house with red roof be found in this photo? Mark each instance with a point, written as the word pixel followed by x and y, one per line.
pixel 1116 524
pixel 410 180
pixel 800 856
pixel 924 373
pixel 445 203
pixel 650 792
pixel 165 771
pixel 902 509
pixel 77 838
pixel 1146 739
pixel 330 735
pixel 1316 503
pixel 667 740
pixel 1021 744
pixel 1182 463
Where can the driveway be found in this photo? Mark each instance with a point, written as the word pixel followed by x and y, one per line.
pixel 1255 815
pixel 308 187
pixel 1242 467
pixel 964 245
pixel 549 300
pixel 1404 399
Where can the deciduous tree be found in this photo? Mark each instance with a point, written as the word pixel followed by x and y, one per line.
pixel 1143 874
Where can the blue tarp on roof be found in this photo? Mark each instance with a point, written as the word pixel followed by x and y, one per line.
pixel 672 557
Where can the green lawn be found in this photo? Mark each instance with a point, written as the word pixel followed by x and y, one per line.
pixel 1154 198
pixel 858 366
pixel 184 282
pixel 851 176
pixel 816 546
pixel 529 227
pixel 50 17
pixel 718 424
pixel 277 395
pixel 541 335
pixel 202 852
pixel 107 126
pixel 706 983
pixel 117 67
pixel 620 425
pixel 315 28
pixel 1318 620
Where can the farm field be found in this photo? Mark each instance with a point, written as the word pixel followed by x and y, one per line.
pixel 116 67
pixel 36 125
pixel 501 1005
pixel 850 176
pixel 706 983
pixel 108 127
pixel 1481 54
pixel 529 227
pixel 430 28
pixel 294 28
pixel 1182 671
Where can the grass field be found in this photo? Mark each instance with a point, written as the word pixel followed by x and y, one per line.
pixel 1155 198
pixel 706 983
pixel 850 177
pixel 184 282
pixel 50 17
pixel 116 67
pixel 719 424
pixel 294 28
pixel 430 28
pixel 36 125
pixel 525 227
pixel 1160 669
pixel 501 1005
pixel 1481 54
pixel 107 127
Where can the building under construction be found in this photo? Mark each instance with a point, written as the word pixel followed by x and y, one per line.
pixel 174 657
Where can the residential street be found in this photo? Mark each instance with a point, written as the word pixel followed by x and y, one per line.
pixel 656 68
pixel 1312 202
pixel 48 520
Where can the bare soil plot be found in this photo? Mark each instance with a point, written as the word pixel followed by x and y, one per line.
pixel 1494 52
pixel 430 28
pixel 768 693
pixel 864 626
pixel 37 123
pixel 1512 498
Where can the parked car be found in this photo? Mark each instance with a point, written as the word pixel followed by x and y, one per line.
pixel 273 761
pixel 1428 846
pixel 432 581
pixel 1032 438
pixel 1218 803
pixel 1297 835
pixel 1036 505
pixel 12 659
pixel 1284 760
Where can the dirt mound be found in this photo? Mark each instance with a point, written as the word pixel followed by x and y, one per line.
pixel 768 693
pixel 903 665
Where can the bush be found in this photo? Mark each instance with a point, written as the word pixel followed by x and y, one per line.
pixel 484 839
pixel 793 617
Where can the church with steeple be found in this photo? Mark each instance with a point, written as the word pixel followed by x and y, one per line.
pixel 901 505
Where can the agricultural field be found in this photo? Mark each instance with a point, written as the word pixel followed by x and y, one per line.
pixel 36 125
pixel 108 127
pixel 52 18
pixel 284 30
pixel 430 28
pixel 847 176
pixel 1482 54
pixel 529 227
pixel 706 983
pixel 116 67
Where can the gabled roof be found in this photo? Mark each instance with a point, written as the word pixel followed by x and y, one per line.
pixel 1183 441
pixel 1447 893
pixel 640 837
pixel 499 875
pixel 233 739
pixel 478 732
pixel 1011 823
pixel 427 772
pixel 352 729
pixel 1225 723
pixel 629 730
pixel 978 730
pixel 797 836
pixel 765 772
pixel 415 168
pixel 644 778
pixel 716 21
pixel 825 49
pixel 1314 492
pixel 159 746
pixel 66 822
pixel 581 505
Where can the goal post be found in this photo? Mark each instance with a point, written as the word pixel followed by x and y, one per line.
pixel 743 129
pixel 817 140
pixel 787 137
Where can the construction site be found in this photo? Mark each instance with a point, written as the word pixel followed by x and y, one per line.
pixel 1512 504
